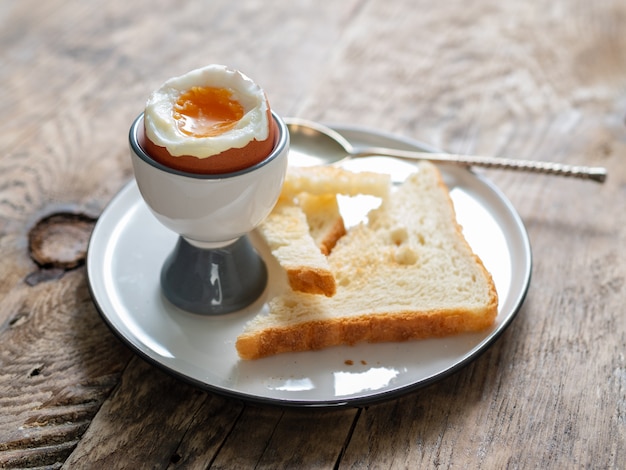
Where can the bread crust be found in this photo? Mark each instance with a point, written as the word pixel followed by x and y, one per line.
pixel 334 180
pixel 331 238
pixel 311 280
pixel 372 328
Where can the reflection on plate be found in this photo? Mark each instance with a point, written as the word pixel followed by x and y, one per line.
pixel 128 247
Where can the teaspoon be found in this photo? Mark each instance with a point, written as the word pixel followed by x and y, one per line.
pixel 323 145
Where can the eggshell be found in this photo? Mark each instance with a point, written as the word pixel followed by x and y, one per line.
pixel 228 161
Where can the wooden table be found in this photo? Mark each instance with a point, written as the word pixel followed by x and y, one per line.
pixel 541 80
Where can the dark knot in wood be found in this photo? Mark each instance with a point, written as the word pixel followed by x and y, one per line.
pixel 59 241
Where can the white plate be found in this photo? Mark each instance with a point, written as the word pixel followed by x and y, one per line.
pixel 128 247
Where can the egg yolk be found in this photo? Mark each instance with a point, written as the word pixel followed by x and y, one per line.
pixel 206 111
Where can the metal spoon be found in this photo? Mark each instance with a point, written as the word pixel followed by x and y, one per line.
pixel 322 145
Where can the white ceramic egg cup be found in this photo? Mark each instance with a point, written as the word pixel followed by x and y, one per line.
pixel 213 268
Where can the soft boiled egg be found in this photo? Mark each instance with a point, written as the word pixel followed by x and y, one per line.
pixel 211 120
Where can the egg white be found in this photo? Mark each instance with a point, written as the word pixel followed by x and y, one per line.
pixel 162 128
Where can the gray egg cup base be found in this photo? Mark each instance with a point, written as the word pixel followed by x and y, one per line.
pixel 213 281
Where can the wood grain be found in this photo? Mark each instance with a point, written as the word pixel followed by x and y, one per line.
pixel 541 80
pixel 58 363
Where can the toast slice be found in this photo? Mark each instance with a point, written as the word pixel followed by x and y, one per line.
pixel 408 273
pixel 286 232
pixel 305 224
pixel 334 180
pixel 324 219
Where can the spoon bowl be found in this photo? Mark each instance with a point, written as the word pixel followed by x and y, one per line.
pixel 316 144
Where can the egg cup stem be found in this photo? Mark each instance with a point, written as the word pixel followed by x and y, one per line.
pixel 213 281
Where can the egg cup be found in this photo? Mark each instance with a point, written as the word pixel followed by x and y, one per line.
pixel 213 269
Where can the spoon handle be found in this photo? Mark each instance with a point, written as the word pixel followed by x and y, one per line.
pixel 597 174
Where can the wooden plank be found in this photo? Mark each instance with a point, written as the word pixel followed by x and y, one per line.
pixel 58 363
pixel 271 438
pixel 145 420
